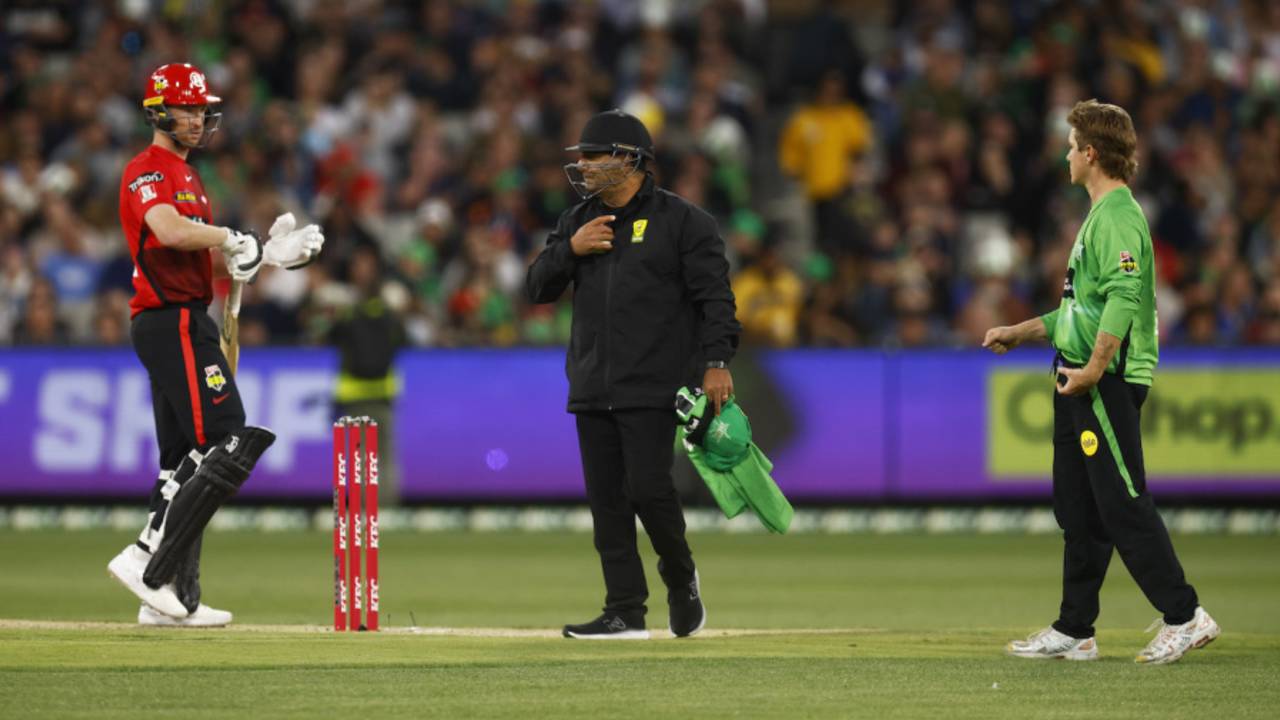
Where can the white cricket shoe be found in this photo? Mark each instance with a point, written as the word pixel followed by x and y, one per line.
pixel 1174 641
pixel 128 567
pixel 204 616
pixel 1051 644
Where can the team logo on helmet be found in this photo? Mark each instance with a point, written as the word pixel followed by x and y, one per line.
pixel 197 81
pixel 159 83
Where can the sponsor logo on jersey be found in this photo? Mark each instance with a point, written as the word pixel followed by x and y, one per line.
pixel 637 230
pixel 214 379
pixel 148 193
pixel 184 196
pixel 1127 263
pixel 144 179
pixel 1089 443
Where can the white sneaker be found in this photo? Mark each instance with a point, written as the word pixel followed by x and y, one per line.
pixel 128 567
pixel 204 616
pixel 1174 641
pixel 1049 643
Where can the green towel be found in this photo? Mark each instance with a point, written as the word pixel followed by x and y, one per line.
pixel 719 483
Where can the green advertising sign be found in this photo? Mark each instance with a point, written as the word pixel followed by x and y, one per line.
pixel 1217 423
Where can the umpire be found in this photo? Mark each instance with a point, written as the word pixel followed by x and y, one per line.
pixel 652 312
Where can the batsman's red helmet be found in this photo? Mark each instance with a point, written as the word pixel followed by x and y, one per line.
pixel 178 84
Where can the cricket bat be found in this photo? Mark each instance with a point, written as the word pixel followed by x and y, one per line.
pixel 230 339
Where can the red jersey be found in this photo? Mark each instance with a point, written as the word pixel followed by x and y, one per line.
pixel 161 275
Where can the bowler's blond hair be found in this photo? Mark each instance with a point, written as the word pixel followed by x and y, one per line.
pixel 1109 129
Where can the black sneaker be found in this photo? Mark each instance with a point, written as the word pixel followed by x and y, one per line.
pixel 687 614
pixel 608 627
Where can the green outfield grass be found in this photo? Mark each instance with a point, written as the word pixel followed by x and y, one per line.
pixel 913 626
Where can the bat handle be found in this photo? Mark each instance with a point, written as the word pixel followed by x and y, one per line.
pixel 233 298
pixel 230 325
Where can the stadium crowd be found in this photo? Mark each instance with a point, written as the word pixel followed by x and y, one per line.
pixel 885 174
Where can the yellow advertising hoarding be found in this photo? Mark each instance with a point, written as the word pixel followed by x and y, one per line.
pixel 1196 423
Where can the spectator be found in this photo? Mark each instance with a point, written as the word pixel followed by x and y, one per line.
pixel 819 144
pixel 111 319
pixel 68 253
pixel 16 280
pixel 368 333
pixel 40 324
pixel 924 118
pixel 770 296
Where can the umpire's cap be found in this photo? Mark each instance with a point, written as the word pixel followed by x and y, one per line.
pixel 614 131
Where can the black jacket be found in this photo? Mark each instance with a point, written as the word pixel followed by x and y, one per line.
pixel 649 313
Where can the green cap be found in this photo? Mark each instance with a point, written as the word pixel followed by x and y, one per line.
pixel 725 438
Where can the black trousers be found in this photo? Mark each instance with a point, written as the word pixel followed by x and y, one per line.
pixel 193 394
pixel 626 461
pixel 836 233
pixel 1101 502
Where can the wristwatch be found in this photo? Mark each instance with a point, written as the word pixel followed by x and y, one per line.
pixel 717 364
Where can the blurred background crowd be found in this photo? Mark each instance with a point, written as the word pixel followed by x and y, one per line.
pixel 885 174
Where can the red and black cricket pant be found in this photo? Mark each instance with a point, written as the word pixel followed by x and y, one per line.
pixel 193 394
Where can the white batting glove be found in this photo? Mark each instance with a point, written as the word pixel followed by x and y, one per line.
pixel 283 225
pixel 290 248
pixel 243 255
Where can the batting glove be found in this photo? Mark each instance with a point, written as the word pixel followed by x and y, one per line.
pixel 289 248
pixel 243 255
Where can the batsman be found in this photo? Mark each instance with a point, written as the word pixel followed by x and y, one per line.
pixel 206 450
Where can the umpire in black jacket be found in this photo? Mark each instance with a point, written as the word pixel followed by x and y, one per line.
pixel 652 312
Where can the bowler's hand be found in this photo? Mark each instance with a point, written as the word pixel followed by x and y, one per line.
pixel 1001 340
pixel 1079 380
pixel 717 385
pixel 594 237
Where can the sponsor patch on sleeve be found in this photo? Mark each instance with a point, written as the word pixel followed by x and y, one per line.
pixel 145 179
pixel 1127 263
pixel 184 196
pixel 148 193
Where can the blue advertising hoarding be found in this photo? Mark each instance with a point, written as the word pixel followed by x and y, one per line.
pixel 491 426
